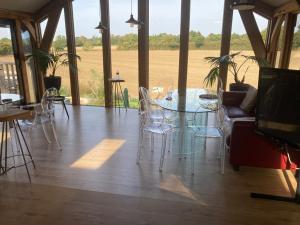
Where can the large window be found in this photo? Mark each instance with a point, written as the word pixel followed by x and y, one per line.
pixel 88 46
pixel 205 39
pixel 295 56
pixel 164 43
pixel 10 82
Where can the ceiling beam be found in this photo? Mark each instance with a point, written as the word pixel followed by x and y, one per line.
pixel 10 14
pixel 253 33
pixel 53 5
pixel 290 7
pixel 264 9
pixel 49 33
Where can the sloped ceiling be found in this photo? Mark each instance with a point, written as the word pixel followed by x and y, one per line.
pixel 28 6
pixel 276 3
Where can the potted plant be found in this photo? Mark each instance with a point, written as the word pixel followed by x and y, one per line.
pixel 233 68
pixel 50 62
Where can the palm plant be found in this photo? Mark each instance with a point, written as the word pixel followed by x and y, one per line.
pixel 233 67
pixel 50 61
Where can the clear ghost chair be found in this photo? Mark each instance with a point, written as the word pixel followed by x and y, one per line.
pixel 154 127
pixel 43 114
pixel 156 115
pixel 216 131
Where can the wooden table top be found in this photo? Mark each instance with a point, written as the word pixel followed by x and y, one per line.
pixel 15 114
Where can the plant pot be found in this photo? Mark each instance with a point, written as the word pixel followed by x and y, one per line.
pixel 52 82
pixel 239 87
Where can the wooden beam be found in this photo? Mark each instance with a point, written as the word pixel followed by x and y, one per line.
pixel 21 62
pixel 143 43
pixel 226 36
pixel 106 51
pixel 290 7
pixel 50 29
pixel 30 29
pixel 16 15
pixel 184 46
pixel 69 21
pixel 287 40
pixel 47 9
pixel 264 9
pixel 254 34
pixel 276 24
pixel 39 74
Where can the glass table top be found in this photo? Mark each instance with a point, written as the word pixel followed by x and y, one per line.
pixel 191 102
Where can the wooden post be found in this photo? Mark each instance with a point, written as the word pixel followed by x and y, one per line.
pixel 39 74
pixel 287 40
pixel 226 36
pixel 22 62
pixel 272 44
pixel 106 50
pixel 184 46
pixel 254 35
pixel 69 20
pixel 143 43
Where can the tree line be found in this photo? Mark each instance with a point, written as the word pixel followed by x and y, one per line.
pixel 161 41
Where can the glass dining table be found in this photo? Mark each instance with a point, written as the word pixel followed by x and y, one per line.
pixel 188 108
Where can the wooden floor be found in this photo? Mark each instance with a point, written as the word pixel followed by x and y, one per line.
pixel 95 180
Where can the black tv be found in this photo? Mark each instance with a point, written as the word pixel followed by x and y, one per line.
pixel 278 105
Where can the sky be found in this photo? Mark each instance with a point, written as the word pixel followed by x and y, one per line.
pixel 206 17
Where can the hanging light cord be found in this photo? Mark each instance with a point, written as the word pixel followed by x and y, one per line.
pixel 131 7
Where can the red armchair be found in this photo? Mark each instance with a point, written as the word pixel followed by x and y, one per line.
pixel 247 148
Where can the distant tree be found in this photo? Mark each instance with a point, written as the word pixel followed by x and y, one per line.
pixel 5 46
pixel 196 39
pixel 60 43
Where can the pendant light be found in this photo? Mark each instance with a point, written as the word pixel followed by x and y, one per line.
pixel 243 4
pixel 100 26
pixel 131 20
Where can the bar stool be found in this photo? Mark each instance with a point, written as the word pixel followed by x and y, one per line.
pixel 117 90
pixel 9 119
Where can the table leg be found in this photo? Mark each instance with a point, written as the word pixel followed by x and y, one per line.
pixel 122 96
pixel 21 148
pixel 64 105
pixel 1 149
pixel 25 142
pixel 5 160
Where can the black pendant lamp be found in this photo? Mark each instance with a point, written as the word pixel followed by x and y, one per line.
pixel 100 26
pixel 243 4
pixel 131 20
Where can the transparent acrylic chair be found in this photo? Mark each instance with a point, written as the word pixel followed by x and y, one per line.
pixel 216 131
pixel 154 127
pixel 157 113
pixel 44 114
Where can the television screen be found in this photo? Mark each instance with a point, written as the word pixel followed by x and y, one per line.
pixel 278 105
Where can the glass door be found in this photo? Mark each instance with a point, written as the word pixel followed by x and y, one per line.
pixel 9 82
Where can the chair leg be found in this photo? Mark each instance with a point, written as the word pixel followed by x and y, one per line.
pixel 163 150
pixel 140 147
pixel 152 142
pixel 193 153
pixel 45 133
pixel 55 136
pixel 223 155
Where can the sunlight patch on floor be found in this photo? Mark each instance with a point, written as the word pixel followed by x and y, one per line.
pixel 174 184
pixel 99 154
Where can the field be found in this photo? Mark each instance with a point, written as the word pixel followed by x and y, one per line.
pixel 163 71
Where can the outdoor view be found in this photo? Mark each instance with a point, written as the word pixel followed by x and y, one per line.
pixel 205 39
